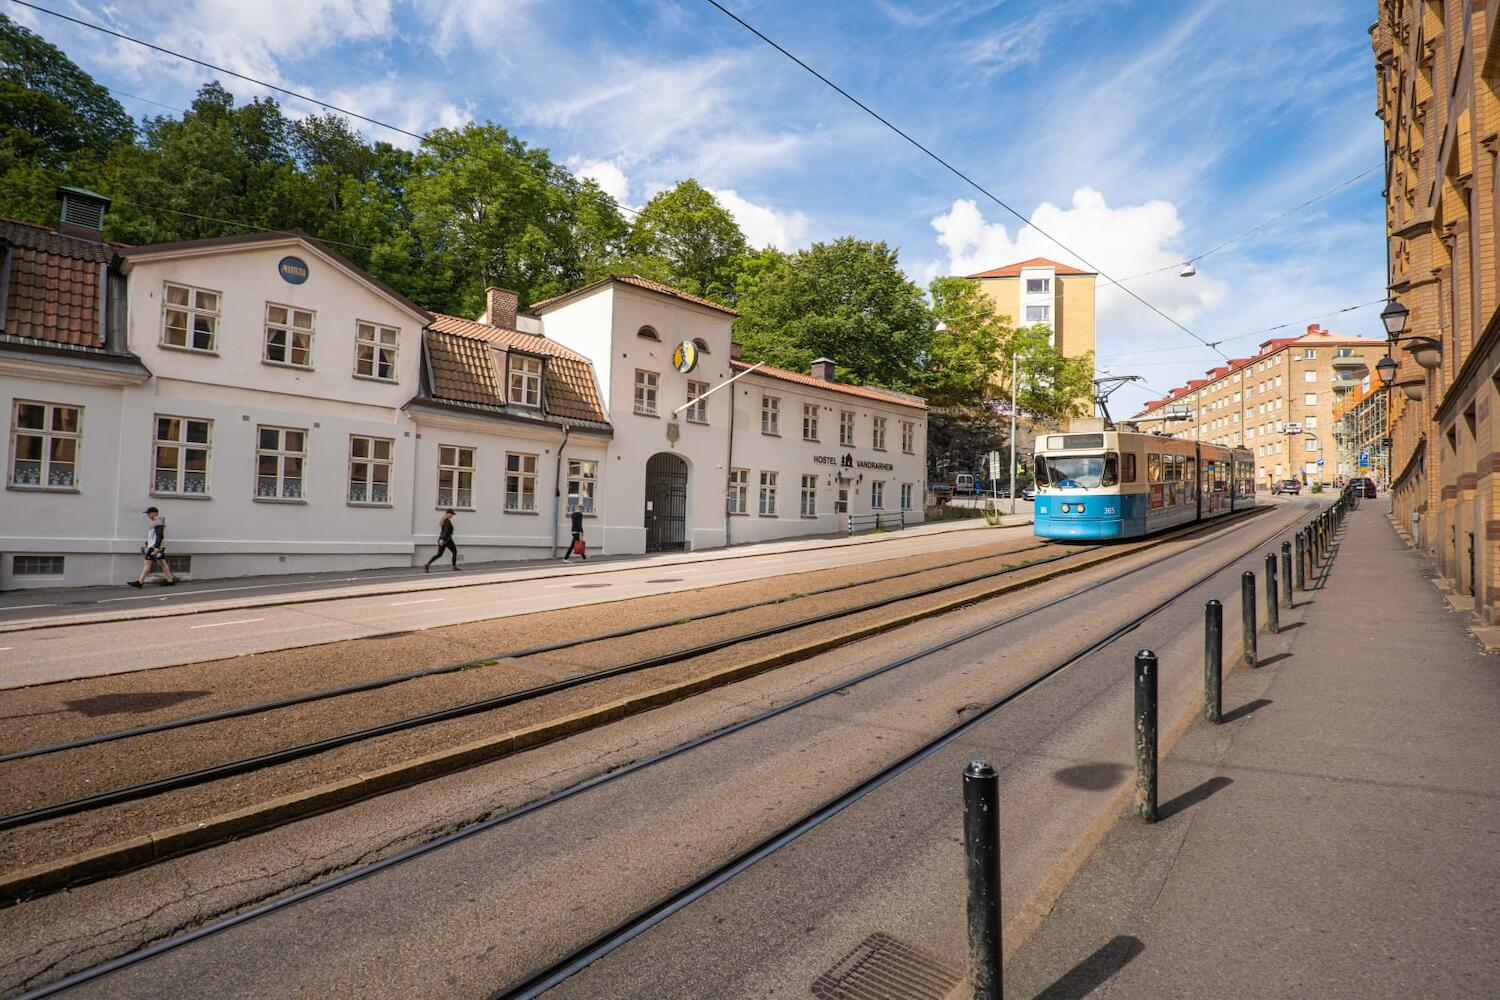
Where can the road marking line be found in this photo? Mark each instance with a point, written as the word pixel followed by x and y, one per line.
pixel 242 621
pixel 430 600
pixel 18 607
pixel 6 649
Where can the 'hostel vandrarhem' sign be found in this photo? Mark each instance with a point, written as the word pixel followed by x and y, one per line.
pixel 850 462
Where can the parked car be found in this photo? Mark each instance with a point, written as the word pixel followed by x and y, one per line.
pixel 1364 485
pixel 1292 486
pixel 942 492
pixel 1028 493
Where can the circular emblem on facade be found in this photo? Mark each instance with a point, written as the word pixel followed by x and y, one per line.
pixel 293 270
pixel 685 358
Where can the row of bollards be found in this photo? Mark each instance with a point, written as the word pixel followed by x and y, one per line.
pixel 1301 558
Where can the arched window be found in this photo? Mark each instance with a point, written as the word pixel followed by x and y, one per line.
pixel 648 333
pixel 702 345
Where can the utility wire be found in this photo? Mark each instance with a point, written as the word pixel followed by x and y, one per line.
pixel 1256 333
pixel 951 168
pixel 1251 231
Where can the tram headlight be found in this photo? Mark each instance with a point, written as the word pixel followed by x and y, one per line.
pixel 1066 508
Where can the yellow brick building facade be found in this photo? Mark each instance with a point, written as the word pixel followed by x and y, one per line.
pixel 1251 402
pixel 1437 70
pixel 1043 291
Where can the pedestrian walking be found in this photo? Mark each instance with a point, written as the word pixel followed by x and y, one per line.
pixel 577 544
pixel 155 550
pixel 445 541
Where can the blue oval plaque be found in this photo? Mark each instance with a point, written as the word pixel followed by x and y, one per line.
pixel 293 270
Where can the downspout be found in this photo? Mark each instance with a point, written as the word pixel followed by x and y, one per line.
pixel 557 485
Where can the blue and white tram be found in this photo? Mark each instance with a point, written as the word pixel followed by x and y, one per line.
pixel 1123 484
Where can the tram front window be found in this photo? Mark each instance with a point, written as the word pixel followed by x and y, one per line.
pixel 1085 471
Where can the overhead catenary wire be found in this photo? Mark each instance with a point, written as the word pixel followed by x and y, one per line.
pixel 953 169
pixel 1255 333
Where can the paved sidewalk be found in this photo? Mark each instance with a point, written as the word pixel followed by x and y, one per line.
pixel 1339 837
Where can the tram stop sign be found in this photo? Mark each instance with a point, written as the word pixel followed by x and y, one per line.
pixel 1364 460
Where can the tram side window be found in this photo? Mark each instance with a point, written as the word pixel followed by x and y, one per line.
pixel 1128 468
pixel 1153 468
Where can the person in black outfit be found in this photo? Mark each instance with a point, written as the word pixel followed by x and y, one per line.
pixel 576 519
pixel 445 541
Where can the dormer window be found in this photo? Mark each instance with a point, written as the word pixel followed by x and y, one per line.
pixel 648 333
pixel 525 380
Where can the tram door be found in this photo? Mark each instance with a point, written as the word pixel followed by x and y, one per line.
pixel 666 503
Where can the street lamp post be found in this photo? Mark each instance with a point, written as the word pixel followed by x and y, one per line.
pixel 1015 371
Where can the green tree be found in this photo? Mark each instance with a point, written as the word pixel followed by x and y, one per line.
pixel 56 124
pixel 685 238
pixel 964 354
pixel 1051 387
pixel 847 300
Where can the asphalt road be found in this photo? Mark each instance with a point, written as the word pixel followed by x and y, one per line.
pixel 493 907
pixel 291 617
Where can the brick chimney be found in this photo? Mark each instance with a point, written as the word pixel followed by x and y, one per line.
pixel 500 308
pixel 82 213
pixel 822 369
pixel 734 351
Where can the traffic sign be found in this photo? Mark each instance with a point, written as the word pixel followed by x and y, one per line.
pixel 1364 460
pixel 1320 463
pixel 1293 427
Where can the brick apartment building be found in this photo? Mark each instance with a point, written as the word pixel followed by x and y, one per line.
pixel 1291 382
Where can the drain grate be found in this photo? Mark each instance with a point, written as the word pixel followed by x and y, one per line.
pixel 882 968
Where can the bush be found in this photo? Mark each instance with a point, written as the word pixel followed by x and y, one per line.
pixel 1317 487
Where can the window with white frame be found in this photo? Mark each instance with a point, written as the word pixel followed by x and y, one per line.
pixel 455 477
pixel 1038 286
pixel 525 380
pixel 190 318
pixel 1309 355
pixel 289 334
pixel 520 482
pixel 1311 444
pixel 44 442
pixel 1278 382
pixel 770 415
pixel 877 433
pixel 908 436
pixel 877 494
pixel 583 482
pixel 181 451
pixel 375 351
pixel 697 413
pixel 809 421
pixel 645 392
pixel 809 506
pixel 280 454
pixel 370 469
pixel 1310 399
pixel 846 428
pixel 906 496
pixel 1309 374
pixel 1038 314
pixel 768 494
pixel 739 491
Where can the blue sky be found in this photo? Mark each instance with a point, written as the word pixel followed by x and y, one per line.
pixel 1138 133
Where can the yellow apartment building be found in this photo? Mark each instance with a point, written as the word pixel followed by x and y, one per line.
pixel 1279 403
pixel 1043 291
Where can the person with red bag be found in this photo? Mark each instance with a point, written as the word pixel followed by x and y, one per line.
pixel 577 544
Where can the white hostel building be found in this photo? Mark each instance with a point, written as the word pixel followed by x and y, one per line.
pixel 287 412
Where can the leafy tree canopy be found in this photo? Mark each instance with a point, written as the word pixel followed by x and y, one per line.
pixel 685 238
pixel 964 353
pixel 1051 387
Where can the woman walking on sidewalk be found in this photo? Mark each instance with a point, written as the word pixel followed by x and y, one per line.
pixel 577 544
pixel 155 550
pixel 445 541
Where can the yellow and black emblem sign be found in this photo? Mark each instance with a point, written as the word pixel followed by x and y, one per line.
pixel 685 358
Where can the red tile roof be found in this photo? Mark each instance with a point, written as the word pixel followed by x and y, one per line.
pixel 636 281
pixel 53 285
pixel 1014 270
pixel 867 391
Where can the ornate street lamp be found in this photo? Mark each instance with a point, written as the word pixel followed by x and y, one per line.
pixel 1394 317
pixel 1386 367
pixel 1425 351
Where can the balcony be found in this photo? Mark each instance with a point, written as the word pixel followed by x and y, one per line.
pixel 1350 363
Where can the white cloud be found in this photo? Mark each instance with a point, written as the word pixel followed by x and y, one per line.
pixel 606 173
pixel 763 225
pixel 491 27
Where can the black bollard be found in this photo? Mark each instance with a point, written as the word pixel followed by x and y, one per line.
pixel 1247 615
pixel 982 859
pixel 1145 735
pixel 1273 613
pixel 1301 560
pixel 1213 661
pixel 1286 574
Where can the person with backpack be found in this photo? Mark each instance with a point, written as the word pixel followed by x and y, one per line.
pixel 155 550
pixel 445 542
pixel 577 544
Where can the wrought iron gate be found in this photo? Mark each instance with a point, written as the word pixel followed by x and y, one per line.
pixel 666 502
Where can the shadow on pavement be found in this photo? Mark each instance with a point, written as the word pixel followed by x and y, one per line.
pixel 1191 797
pixel 1088 975
pixel 1236 714
pixel 1275 659
pixel 1091 777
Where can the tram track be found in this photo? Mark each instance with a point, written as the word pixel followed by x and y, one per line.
pixel 664 907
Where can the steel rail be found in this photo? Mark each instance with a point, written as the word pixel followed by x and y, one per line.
pixel 380 682
pixel 272 758
pixel 364 871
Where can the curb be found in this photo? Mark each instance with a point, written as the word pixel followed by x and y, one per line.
pixel 136 852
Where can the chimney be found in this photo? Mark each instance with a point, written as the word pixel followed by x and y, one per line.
pixel 822 369
pixel 500 308
pixel 82 213
pixel 734 351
